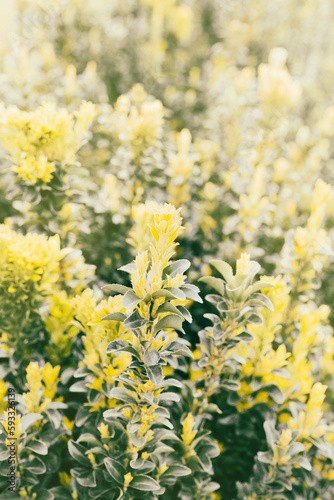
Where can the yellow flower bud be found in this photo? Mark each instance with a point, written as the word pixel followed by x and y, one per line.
pixel 188 434
pixel 127 479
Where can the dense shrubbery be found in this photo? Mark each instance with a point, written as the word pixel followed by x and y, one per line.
pixel 166 250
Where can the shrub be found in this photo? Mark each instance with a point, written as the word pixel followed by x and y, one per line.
pixel 166 323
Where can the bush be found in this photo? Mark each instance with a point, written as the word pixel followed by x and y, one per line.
pixel 166 251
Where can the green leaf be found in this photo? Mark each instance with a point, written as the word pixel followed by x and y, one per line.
pixel 236 293
pixel 177 348
pixel 285 481
pixel 191 292
pixel 231 385
pixel 265 457
pixel 170 321
pixel 237 358
pixel 271 433
pixel 45 495
pixel 4 452
pixel 281 372
pixel 57 405
pixel 78 471
pixel 38 447
pixel 177 470
pixel 276 393
pixel 130 300
pixel 28 420
pixel 116 316
pixel 81 416
pixel 216 283
pixel 55 418
pixel 59 492
pixel 259 285
pixel 112 413
pixel 255 319
pixel 245 337
pixel 123 395
pixel 169 396
pixel 144 483
pixel 115 469
pixel 295 448
pixel 114 287
pixel 36 466
pixel 134 321
pixel 144 466
pixel 116 345
pixel 88 481
pixel 176 292
pixel 172 382
pixel 87 438
pixel 252 270
pixel 169 293
pixel 77 451
pixel 178 267
pixel 79 373
pixel 264 300
pixel 163 292
pixel 94 396
pixel 185 313
pixel 155 374
pixel 147 298
pixel 224 269
pixel 80 386
pixel 233 398
pixel 168 307
pixel 128 268
pixel 151 357
pixel 214 299
pixel 326 449
pixel 304 462
pixel 209 488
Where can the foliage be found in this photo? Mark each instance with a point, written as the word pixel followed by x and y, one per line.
pixel 193 139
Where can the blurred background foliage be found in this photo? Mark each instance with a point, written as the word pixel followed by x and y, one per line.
pixel 223 108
